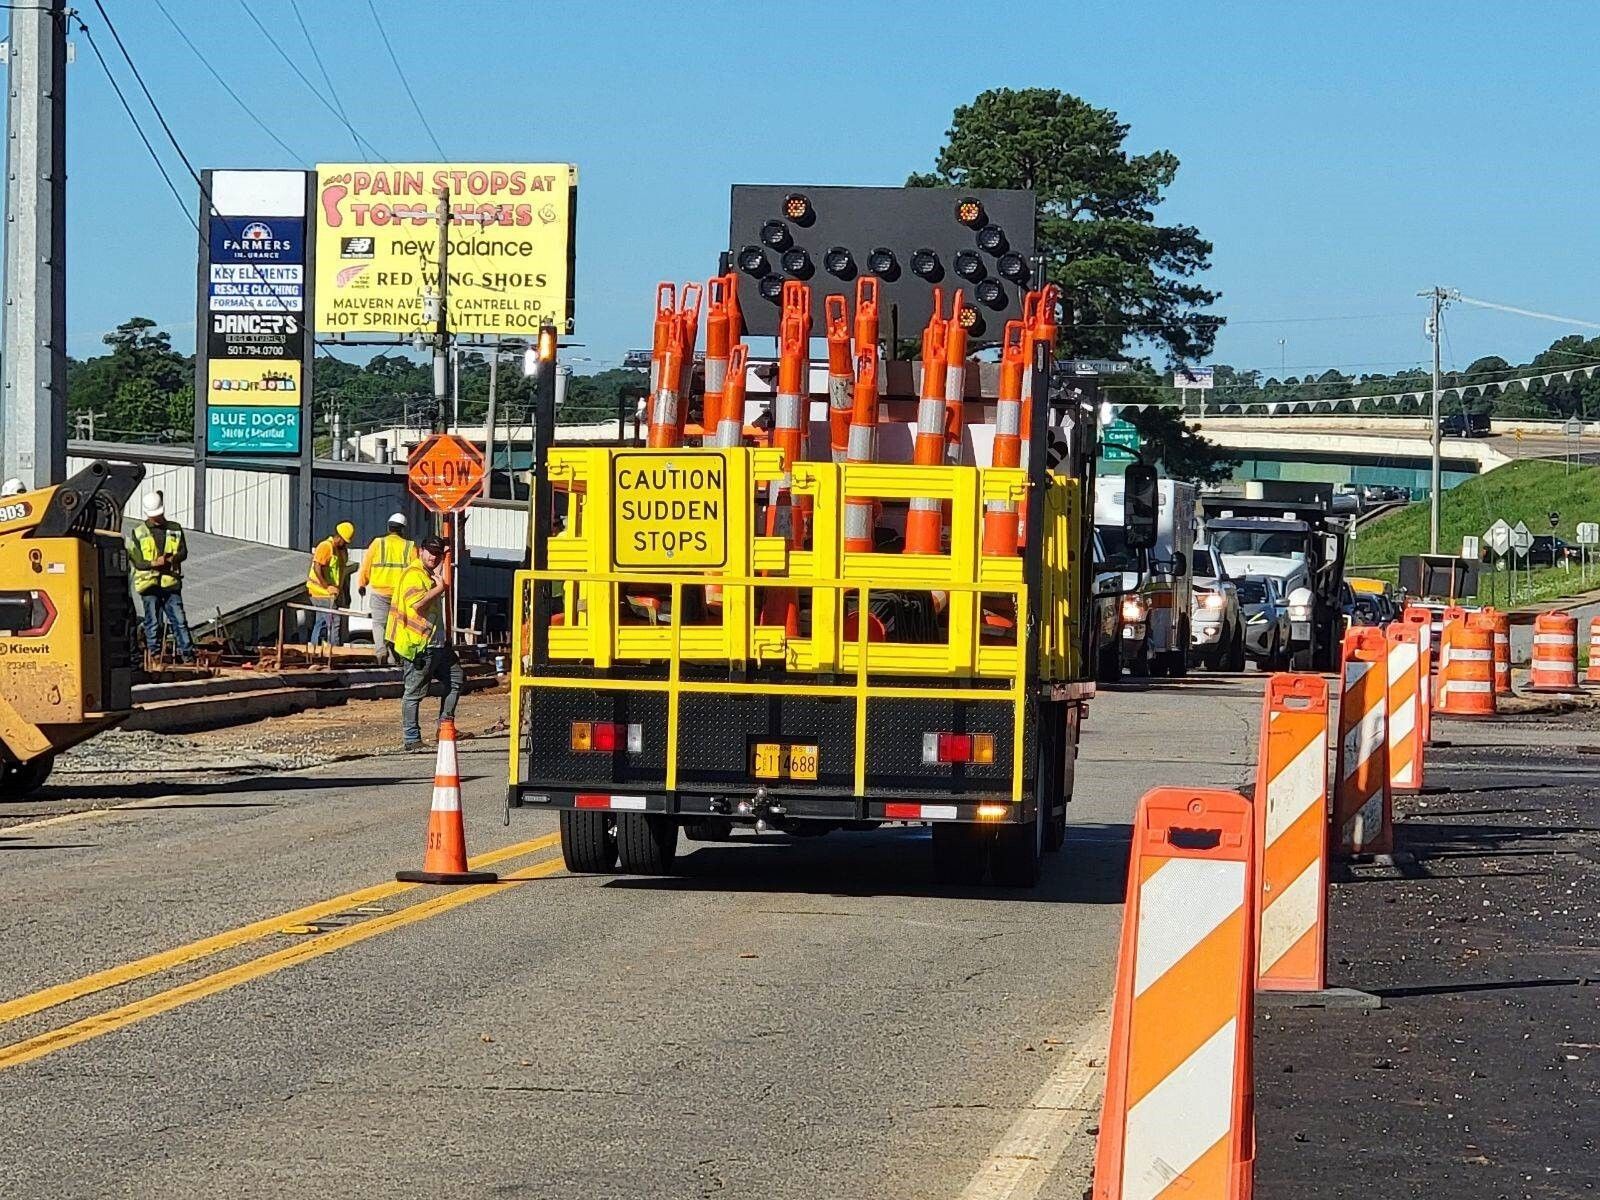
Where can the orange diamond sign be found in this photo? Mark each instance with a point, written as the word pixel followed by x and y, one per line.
pixel 445 472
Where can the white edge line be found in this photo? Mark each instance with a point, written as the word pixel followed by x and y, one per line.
pixel 1021 1162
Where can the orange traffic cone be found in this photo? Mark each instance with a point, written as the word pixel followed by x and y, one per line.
pixel 445 860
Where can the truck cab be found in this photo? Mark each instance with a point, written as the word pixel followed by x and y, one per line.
pixel 1155 616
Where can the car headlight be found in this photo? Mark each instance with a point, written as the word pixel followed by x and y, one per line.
pixel 1133 609
pixel 1213 601
pixel 1299 612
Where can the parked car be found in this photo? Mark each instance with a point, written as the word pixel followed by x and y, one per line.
pixel 1216 625
pixel 1464 425
pixel 1384 493
pixel 1266 621
pixel 1548 550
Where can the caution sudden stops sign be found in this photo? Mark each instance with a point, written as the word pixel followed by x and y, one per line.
pixel 669 511
pixel 445 472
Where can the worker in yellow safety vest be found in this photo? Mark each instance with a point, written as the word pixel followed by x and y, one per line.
pixel 381 567
pixel 157 549
pixel 326 582
pixel 420 640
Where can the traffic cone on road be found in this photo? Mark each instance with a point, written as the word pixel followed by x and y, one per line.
pixel 445 860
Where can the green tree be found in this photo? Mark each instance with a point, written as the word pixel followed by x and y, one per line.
pixel 1130 278
pixel 1132 282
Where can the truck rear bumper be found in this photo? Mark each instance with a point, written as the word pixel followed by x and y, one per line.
pixel 755 803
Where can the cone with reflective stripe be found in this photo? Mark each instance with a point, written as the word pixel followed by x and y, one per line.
pixel 955 380
pixel 841 380
pixel 1000 528
pixel 925 515
pixel 1441 682
pixel 445 859
pixel 1179 1114
pixel 1499 624
pixel 1404 718
pixel 730 420
pixel 1363 808
pixel 1292 835
pixel 1555 653
pixel 859 516
pixel 718 341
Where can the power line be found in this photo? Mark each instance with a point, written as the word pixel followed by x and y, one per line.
pixel 1526 312
pixel 404 82
pixel 326 78
pixel 137 128
pixel 311 87
pixel 248 111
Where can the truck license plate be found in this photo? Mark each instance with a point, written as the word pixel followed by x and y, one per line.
pixel 776 760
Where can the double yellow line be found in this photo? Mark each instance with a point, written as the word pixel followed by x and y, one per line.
pixel 302 951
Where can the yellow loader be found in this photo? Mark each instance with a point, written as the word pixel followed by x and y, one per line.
pixel 66 671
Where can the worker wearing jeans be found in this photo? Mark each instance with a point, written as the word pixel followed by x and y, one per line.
pixel 416 633
pixel 326 582
pixel 157 550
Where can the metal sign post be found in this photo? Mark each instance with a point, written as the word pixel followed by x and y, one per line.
pixel 1521 543
pixel 1588 535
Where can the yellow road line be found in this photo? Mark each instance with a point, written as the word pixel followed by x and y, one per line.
pixel 139 1010
pixel 165 960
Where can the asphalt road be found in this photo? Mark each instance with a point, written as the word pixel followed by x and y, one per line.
pixel 1478 1077
pixel 782 1020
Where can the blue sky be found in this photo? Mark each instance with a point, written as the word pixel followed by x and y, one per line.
pixel 1340 157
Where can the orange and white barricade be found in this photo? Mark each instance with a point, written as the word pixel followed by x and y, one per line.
pixel 1592 675
pixel 1422 619
pixel 1179 1114
pixel 1468 687
pixel 1291 835
pixel 1363 812
pixel 1555 653
pixel 1404 716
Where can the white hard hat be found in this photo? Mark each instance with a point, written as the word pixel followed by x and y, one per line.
pixel 12 487
pixel 397 518
pixel 153 506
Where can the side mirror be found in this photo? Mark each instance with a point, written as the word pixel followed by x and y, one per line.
pixel 1139 506
pixel 1180 563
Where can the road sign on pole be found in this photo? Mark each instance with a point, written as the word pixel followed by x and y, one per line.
pixel 1588 533
pixel 1498 536
pixel 1521 538
pixel 1469 547
pixel 445 472
pixel 1119 442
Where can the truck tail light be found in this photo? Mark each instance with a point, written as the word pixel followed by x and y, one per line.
pixel 605 737
pixel 957 748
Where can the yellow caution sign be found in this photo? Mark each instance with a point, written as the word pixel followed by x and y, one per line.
pixel 669 510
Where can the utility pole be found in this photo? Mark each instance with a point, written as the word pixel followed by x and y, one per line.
pixel 33 414
pixel 441 332
pixel 1438 297
pixel 488 441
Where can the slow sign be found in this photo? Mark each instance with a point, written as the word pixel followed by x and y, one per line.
pixel 445 472
pixel 669 511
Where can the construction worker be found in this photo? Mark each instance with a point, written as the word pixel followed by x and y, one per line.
pixel 385 559
pixel 157 549
pixel 326 582
pixel 420 640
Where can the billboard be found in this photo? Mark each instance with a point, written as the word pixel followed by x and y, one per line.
pixel 510 247
pixel 253 300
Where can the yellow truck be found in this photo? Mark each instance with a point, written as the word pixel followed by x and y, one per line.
pixel 66 671
pixel 653 692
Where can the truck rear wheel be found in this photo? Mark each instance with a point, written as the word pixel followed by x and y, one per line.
pixel 647 844
pixel 960 854
pixel 20 780
pixel 588 841
pixel 1018 851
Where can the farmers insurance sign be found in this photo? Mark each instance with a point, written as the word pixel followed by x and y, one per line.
pixel 511 246
pixel 253 312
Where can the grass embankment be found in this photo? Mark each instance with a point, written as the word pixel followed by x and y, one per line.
pixel 1525 491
